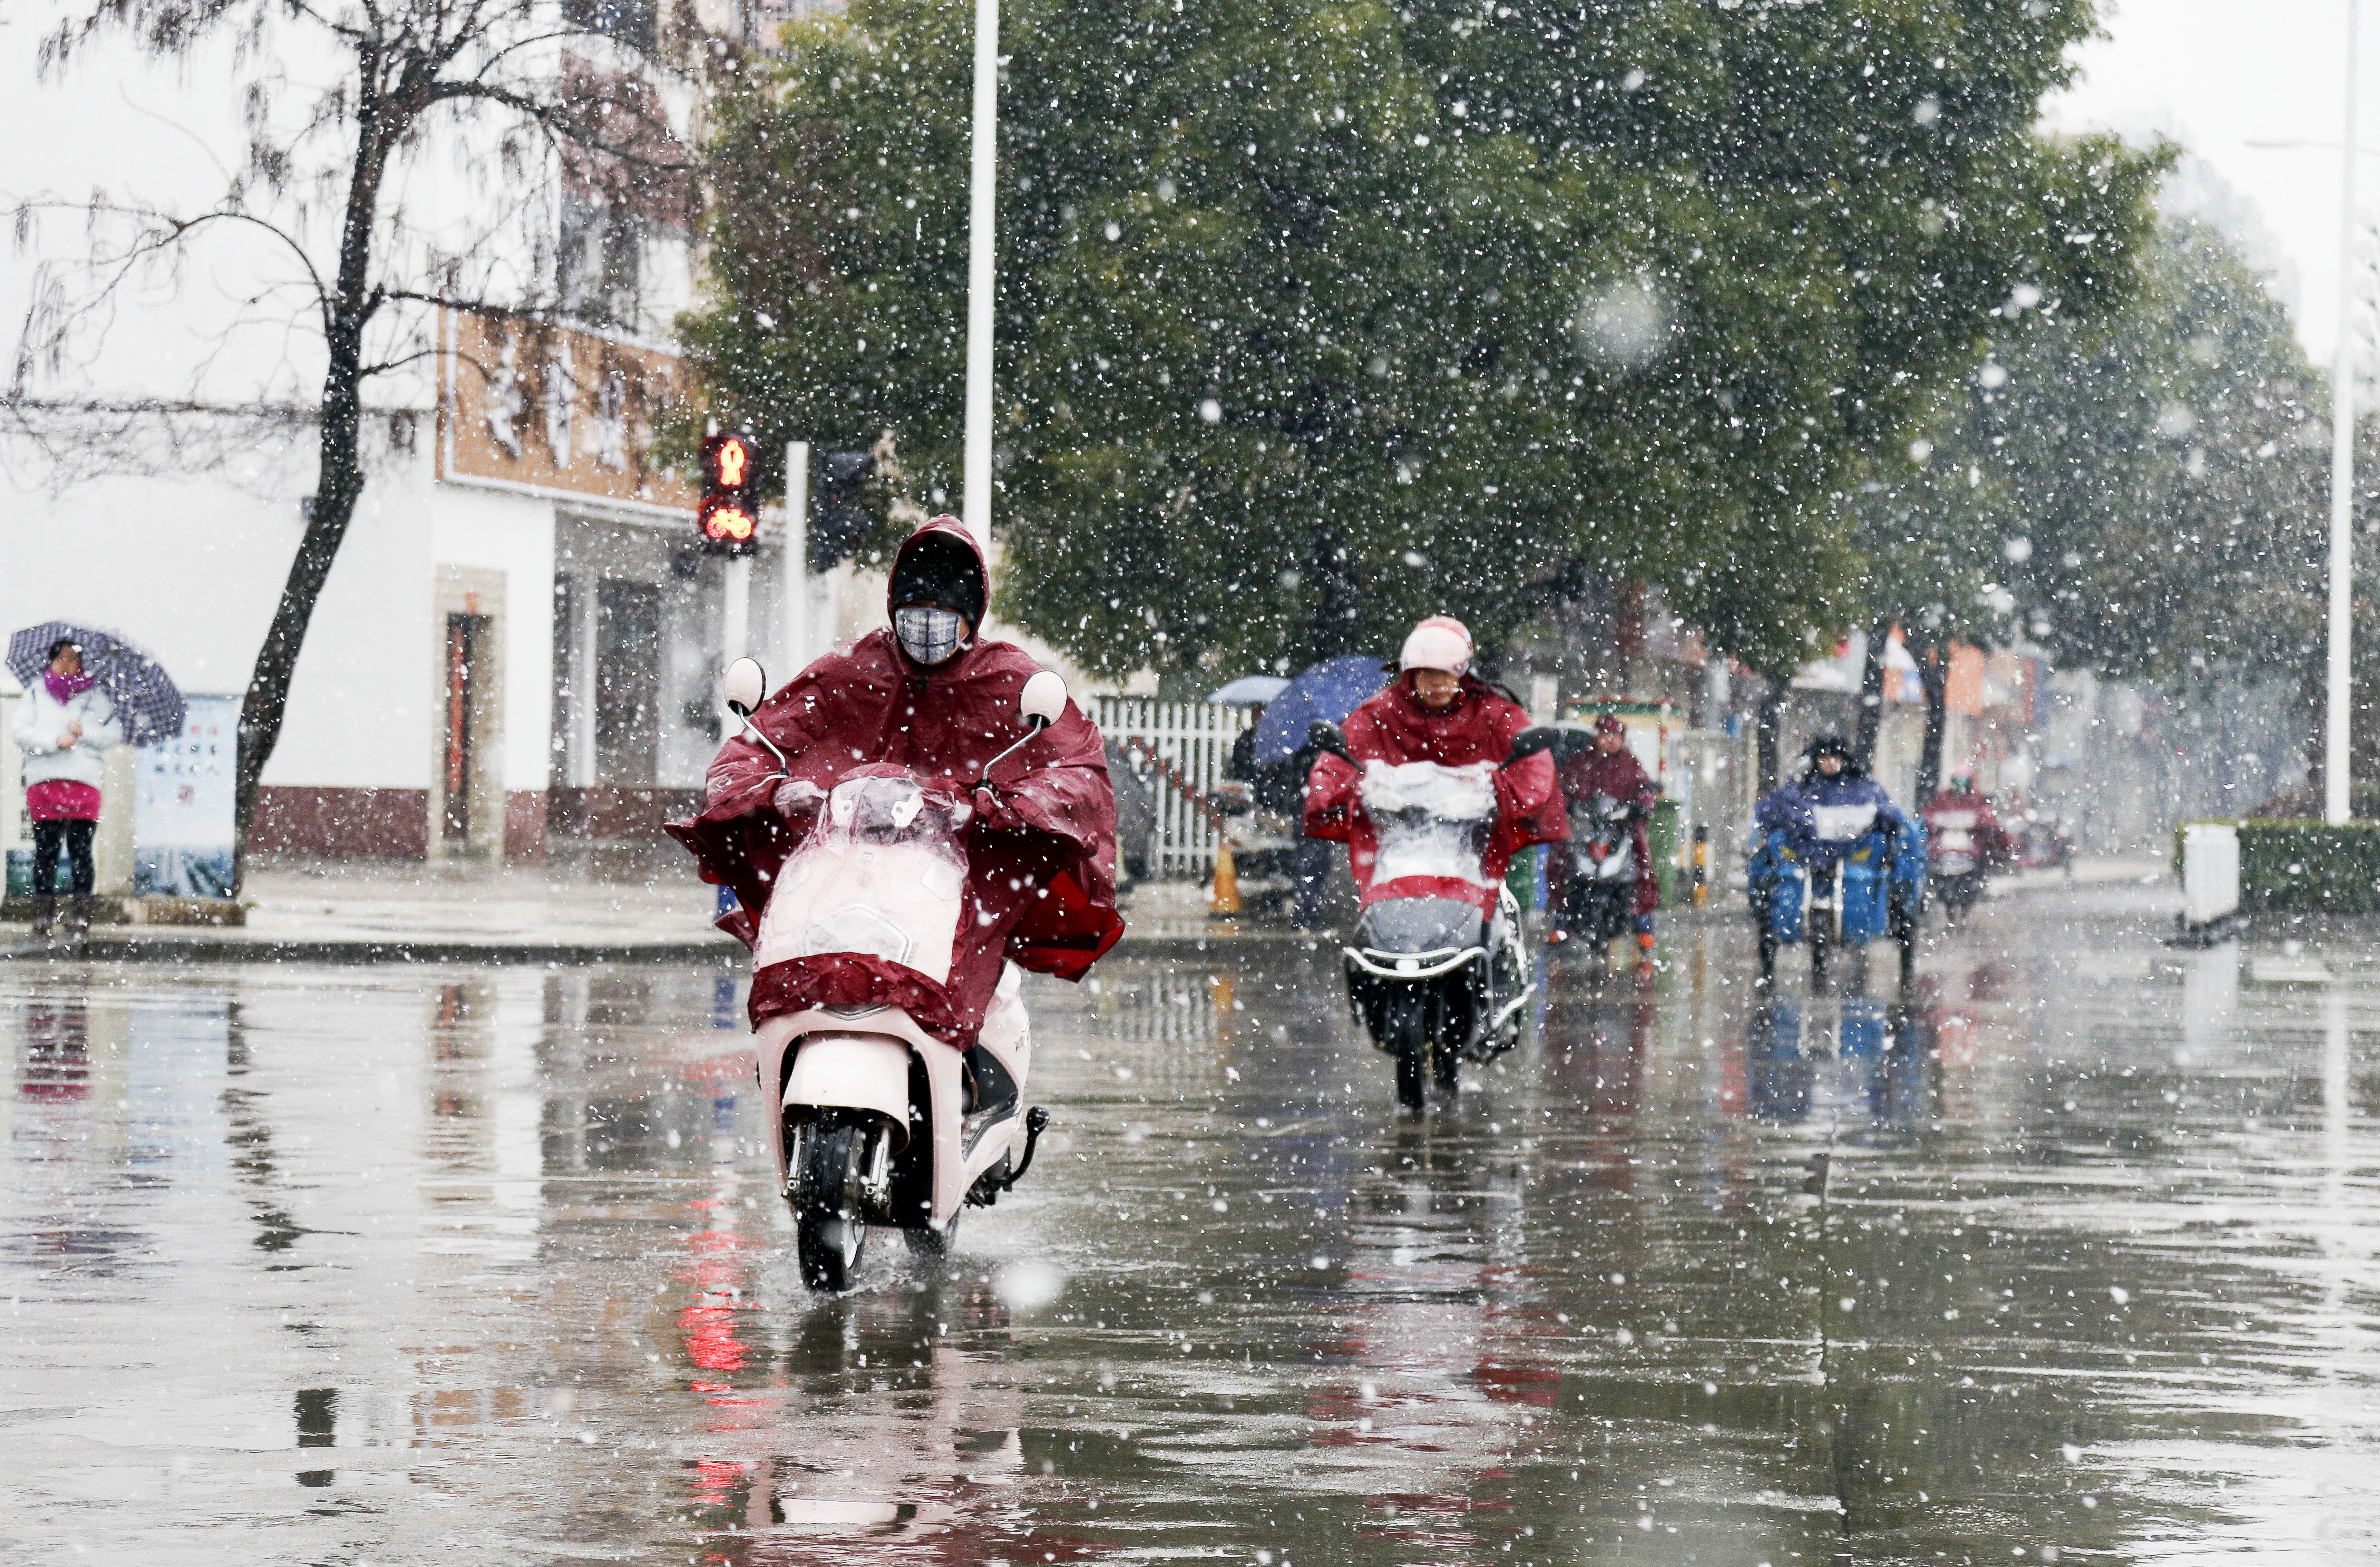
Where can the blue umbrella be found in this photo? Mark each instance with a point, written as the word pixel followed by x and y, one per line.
pixel 149 706
pixel 1248 691
pixel 1331 689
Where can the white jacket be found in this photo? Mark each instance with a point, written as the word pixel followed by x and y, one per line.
pixel 41 718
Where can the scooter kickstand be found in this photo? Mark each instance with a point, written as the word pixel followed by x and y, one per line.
pixel 1035 1121
pixel 986 1190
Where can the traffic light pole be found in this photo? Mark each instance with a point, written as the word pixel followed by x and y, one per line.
pixel 735 637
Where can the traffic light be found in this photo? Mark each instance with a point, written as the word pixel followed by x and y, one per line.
pixel 729 516
pixel 840 514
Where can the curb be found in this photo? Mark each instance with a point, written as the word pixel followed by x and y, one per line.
pixel 721 951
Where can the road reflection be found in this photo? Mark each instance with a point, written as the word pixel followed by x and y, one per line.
pixel 2064 1250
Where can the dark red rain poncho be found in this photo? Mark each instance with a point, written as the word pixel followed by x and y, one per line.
pixel 1044 897
pixel 1623 777
pixel 1393 727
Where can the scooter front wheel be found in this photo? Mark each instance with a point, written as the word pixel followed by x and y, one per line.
pixel 1410 1043
pixel 932 1242
pixel 830 1224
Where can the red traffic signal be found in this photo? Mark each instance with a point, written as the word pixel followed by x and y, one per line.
pixel 728 522
pixel 727 462
pixel 729 516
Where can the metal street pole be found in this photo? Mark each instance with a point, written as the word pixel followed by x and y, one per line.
pixel 797 559
pixel 2337 762
pixel 976 500
pixel 735 631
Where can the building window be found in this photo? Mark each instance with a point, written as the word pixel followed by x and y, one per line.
pixel 630 21
pixel 600 262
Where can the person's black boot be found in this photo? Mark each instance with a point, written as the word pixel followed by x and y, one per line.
pixel 79 917
pixel 46 915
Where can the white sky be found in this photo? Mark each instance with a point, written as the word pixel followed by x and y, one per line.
pixel 2217 74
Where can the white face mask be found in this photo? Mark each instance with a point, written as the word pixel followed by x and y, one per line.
pixel 928 636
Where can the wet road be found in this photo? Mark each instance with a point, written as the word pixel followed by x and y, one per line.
pixel 2072 1259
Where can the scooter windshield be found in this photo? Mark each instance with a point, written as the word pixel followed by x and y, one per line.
pixel 880 876
pixel 1431 820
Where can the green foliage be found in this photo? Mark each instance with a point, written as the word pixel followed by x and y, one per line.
pixel 2296 867
pixel 1317 318
pixel 2143 494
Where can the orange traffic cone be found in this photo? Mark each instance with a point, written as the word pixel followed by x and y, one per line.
pixel 1225 900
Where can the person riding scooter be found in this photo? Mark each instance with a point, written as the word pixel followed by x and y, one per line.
pixel 1964 841
pixel 922 744
pixel 1610 771
pixel 1970 810
pixel 1833 793
pixel 1436 711
pixel 929 695
pixel 1427 791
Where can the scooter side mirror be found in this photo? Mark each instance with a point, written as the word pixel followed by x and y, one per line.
pixel 1044 700
pixel 1325 735
pixel 1040 704
pixel 744 686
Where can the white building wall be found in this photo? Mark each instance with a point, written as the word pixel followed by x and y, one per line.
pixel 514 535
pixel 359 709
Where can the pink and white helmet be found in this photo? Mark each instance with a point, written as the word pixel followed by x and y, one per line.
pixel 1440 642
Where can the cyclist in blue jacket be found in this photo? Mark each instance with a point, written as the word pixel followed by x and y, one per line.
pixel 1830 806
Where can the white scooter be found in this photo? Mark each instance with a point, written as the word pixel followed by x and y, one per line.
pixel 880 1121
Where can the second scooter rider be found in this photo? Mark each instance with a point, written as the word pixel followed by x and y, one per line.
pixel 1609 768
pixel 1436 710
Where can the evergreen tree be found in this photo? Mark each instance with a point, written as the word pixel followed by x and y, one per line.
pixel 1316 318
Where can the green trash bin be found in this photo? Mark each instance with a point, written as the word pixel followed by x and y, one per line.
pixel 1661 835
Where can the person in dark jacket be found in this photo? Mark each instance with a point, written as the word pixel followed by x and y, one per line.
pixel 1832 806
pixel 1242 767
pixel 1608 767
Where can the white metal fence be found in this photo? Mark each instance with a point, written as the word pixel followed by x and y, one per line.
pixel 1190 744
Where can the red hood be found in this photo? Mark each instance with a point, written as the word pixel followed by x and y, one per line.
pixel 945 527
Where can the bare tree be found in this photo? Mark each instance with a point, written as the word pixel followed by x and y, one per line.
pixel 513 92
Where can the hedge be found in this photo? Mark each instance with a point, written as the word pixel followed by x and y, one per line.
pixel 2304 867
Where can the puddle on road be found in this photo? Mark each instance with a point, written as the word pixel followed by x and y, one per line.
pixel 2067 1257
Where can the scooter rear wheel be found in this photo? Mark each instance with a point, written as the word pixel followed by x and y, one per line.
pixel 830 1226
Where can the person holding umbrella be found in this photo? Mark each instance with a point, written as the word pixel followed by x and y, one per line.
pixel 85 689
pixel 64 726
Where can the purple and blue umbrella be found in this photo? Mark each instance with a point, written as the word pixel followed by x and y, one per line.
pixel 149 706
pixel 1331 691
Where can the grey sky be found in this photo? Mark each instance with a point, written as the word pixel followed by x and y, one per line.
pixel 2217 74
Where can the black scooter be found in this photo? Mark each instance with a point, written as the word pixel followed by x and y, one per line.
pixel 1602 895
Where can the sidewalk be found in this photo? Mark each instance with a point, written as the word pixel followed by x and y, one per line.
pixel 407 911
